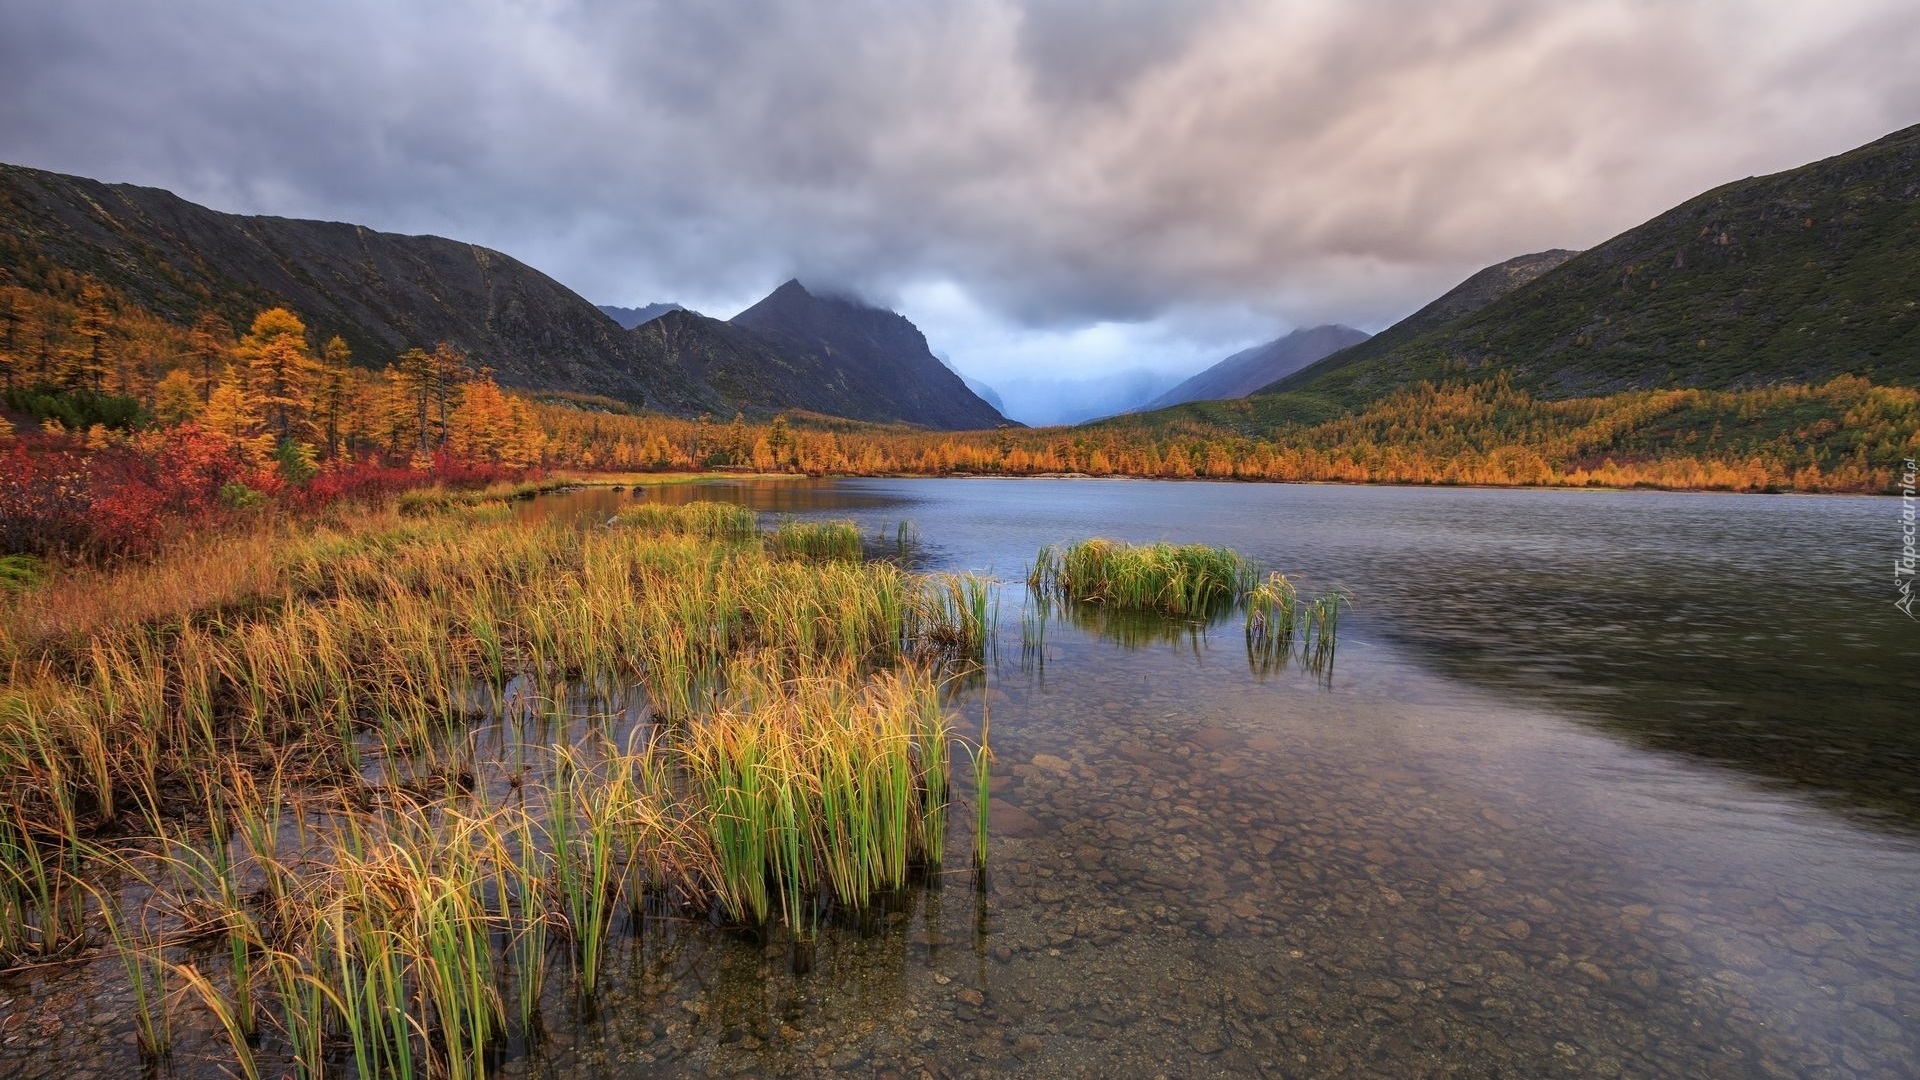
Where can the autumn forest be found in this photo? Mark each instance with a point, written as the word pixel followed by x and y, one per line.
pixel 130 421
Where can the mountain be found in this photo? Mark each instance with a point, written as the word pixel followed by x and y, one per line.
pixel 628 317
pixel 1251 369
pixel 1790 278
pixel 1464 299
pixel 986 393
pixel 873 359
pixel 384 293
pixel 381 292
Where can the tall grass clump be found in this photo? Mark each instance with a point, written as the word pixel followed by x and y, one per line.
pixel 956 615
pixel 1186 580
pixel 1279 621
pixel 712 520
pixel 982 760
pixel 816 540
pixel 906 541
pixel 42 899
pixel 821 789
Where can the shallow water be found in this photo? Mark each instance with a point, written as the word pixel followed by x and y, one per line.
pixel 1618 784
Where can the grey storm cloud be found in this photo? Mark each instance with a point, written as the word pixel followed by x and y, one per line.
pixel 1060 163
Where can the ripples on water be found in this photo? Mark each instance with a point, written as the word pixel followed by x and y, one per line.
pixel 1617 784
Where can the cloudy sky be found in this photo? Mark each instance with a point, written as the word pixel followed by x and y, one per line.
pixel 1048 187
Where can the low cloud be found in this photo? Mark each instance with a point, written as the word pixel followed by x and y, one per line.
pixel 1195 175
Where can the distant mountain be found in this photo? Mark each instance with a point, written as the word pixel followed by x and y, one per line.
pixel 1789 278
pixel 873 360
pixel 1464 299
pixel 1251 369
pixel 628 317
pixel 1045 402
pixel 987 394
pixel 384 293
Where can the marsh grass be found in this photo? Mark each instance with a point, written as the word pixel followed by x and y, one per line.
pixel 1186 580
pixel 331 845
pixel 906 541
pixel 713 520
pixel 1143 594
pixel 817 540
pixel 957 615
pixel 821 789
pixel 146 972
pixel 982 760
pixel 1282 624
pixel 42 898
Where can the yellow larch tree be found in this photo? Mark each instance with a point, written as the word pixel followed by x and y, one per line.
pixel 175 399
pixel 211 344
pixel 87 361
pixel 281 372
pixel 334 392
pixel 232 413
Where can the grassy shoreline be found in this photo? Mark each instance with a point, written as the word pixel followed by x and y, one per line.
pixel 385 786
pixel 270 742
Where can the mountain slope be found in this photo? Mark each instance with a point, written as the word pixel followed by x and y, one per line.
pixel 629 317
pixel 1251 369
pixel 1464 299
pixel 382 292
pixel 987 394
pixel 1789 278
pixel 873 358
pixel 749 372
pixel 385 293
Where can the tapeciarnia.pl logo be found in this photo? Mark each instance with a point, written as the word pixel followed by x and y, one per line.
pixel 1903 567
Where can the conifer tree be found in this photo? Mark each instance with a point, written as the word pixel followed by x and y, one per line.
pixel 175 399
pixel 87 364
pixel 11 315
pixel 411 381
pixel 334 391
pixel 211 343
pixel 281 372
pixel 232 412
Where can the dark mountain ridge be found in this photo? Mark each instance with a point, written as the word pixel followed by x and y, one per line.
pixel 384 293
pixel 866 352
pixel 1793 277
pixel 629 317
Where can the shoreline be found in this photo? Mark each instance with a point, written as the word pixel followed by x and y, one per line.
pixel 667 479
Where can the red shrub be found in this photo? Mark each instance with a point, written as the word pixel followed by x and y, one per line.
pixel 44 495
pixel 59 498
pixel 366 480
pixel 461 472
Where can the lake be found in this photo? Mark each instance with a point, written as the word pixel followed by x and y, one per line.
pixel 1599 784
